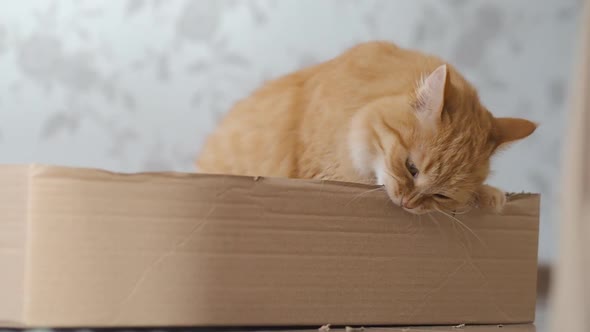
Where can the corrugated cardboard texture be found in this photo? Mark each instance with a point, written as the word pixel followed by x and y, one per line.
pixel 108 249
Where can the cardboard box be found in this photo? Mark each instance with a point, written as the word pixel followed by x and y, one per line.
pixel 458 328
pixel 90 248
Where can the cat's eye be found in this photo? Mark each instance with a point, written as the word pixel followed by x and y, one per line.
pixel 441 196
pixel 411 167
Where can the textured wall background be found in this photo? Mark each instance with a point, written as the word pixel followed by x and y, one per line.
pixel 136 85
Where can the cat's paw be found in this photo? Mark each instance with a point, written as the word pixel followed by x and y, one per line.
pixel 491 198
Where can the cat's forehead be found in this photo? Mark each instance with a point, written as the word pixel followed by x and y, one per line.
pixel 444 164
pixel 452 158
pixel 419 153
pixel 424 180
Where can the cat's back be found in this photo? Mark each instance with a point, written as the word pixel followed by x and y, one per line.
pixel 301 116
pixel 258 135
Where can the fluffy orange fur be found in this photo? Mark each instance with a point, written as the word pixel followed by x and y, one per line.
pixel 376 114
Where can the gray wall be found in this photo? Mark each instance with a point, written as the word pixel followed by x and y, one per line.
pixel 136 85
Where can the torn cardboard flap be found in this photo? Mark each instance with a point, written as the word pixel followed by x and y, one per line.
pixel 101 249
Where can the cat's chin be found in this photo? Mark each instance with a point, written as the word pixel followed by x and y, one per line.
pixel 416 211
pixel 397 201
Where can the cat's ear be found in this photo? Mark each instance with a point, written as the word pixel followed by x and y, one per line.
pixel 508 130
pixel 431 97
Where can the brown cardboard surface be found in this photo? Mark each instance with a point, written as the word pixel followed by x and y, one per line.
pixel 97 249
pixel 14 189
pixel 458 328
pixel 480 328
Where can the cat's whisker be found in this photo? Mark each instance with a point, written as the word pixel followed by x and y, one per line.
pixel 362 194
pixel 436 223
pixel 392 175
pixel 461 232
pixel 464 226
pixel 461 212
pixel 419 217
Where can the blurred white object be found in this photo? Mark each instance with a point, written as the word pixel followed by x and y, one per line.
pixel 570 292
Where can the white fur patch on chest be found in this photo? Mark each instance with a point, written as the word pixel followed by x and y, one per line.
pixel 379 169
pixel 360 153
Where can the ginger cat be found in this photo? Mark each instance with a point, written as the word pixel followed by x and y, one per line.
pixel 376 114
